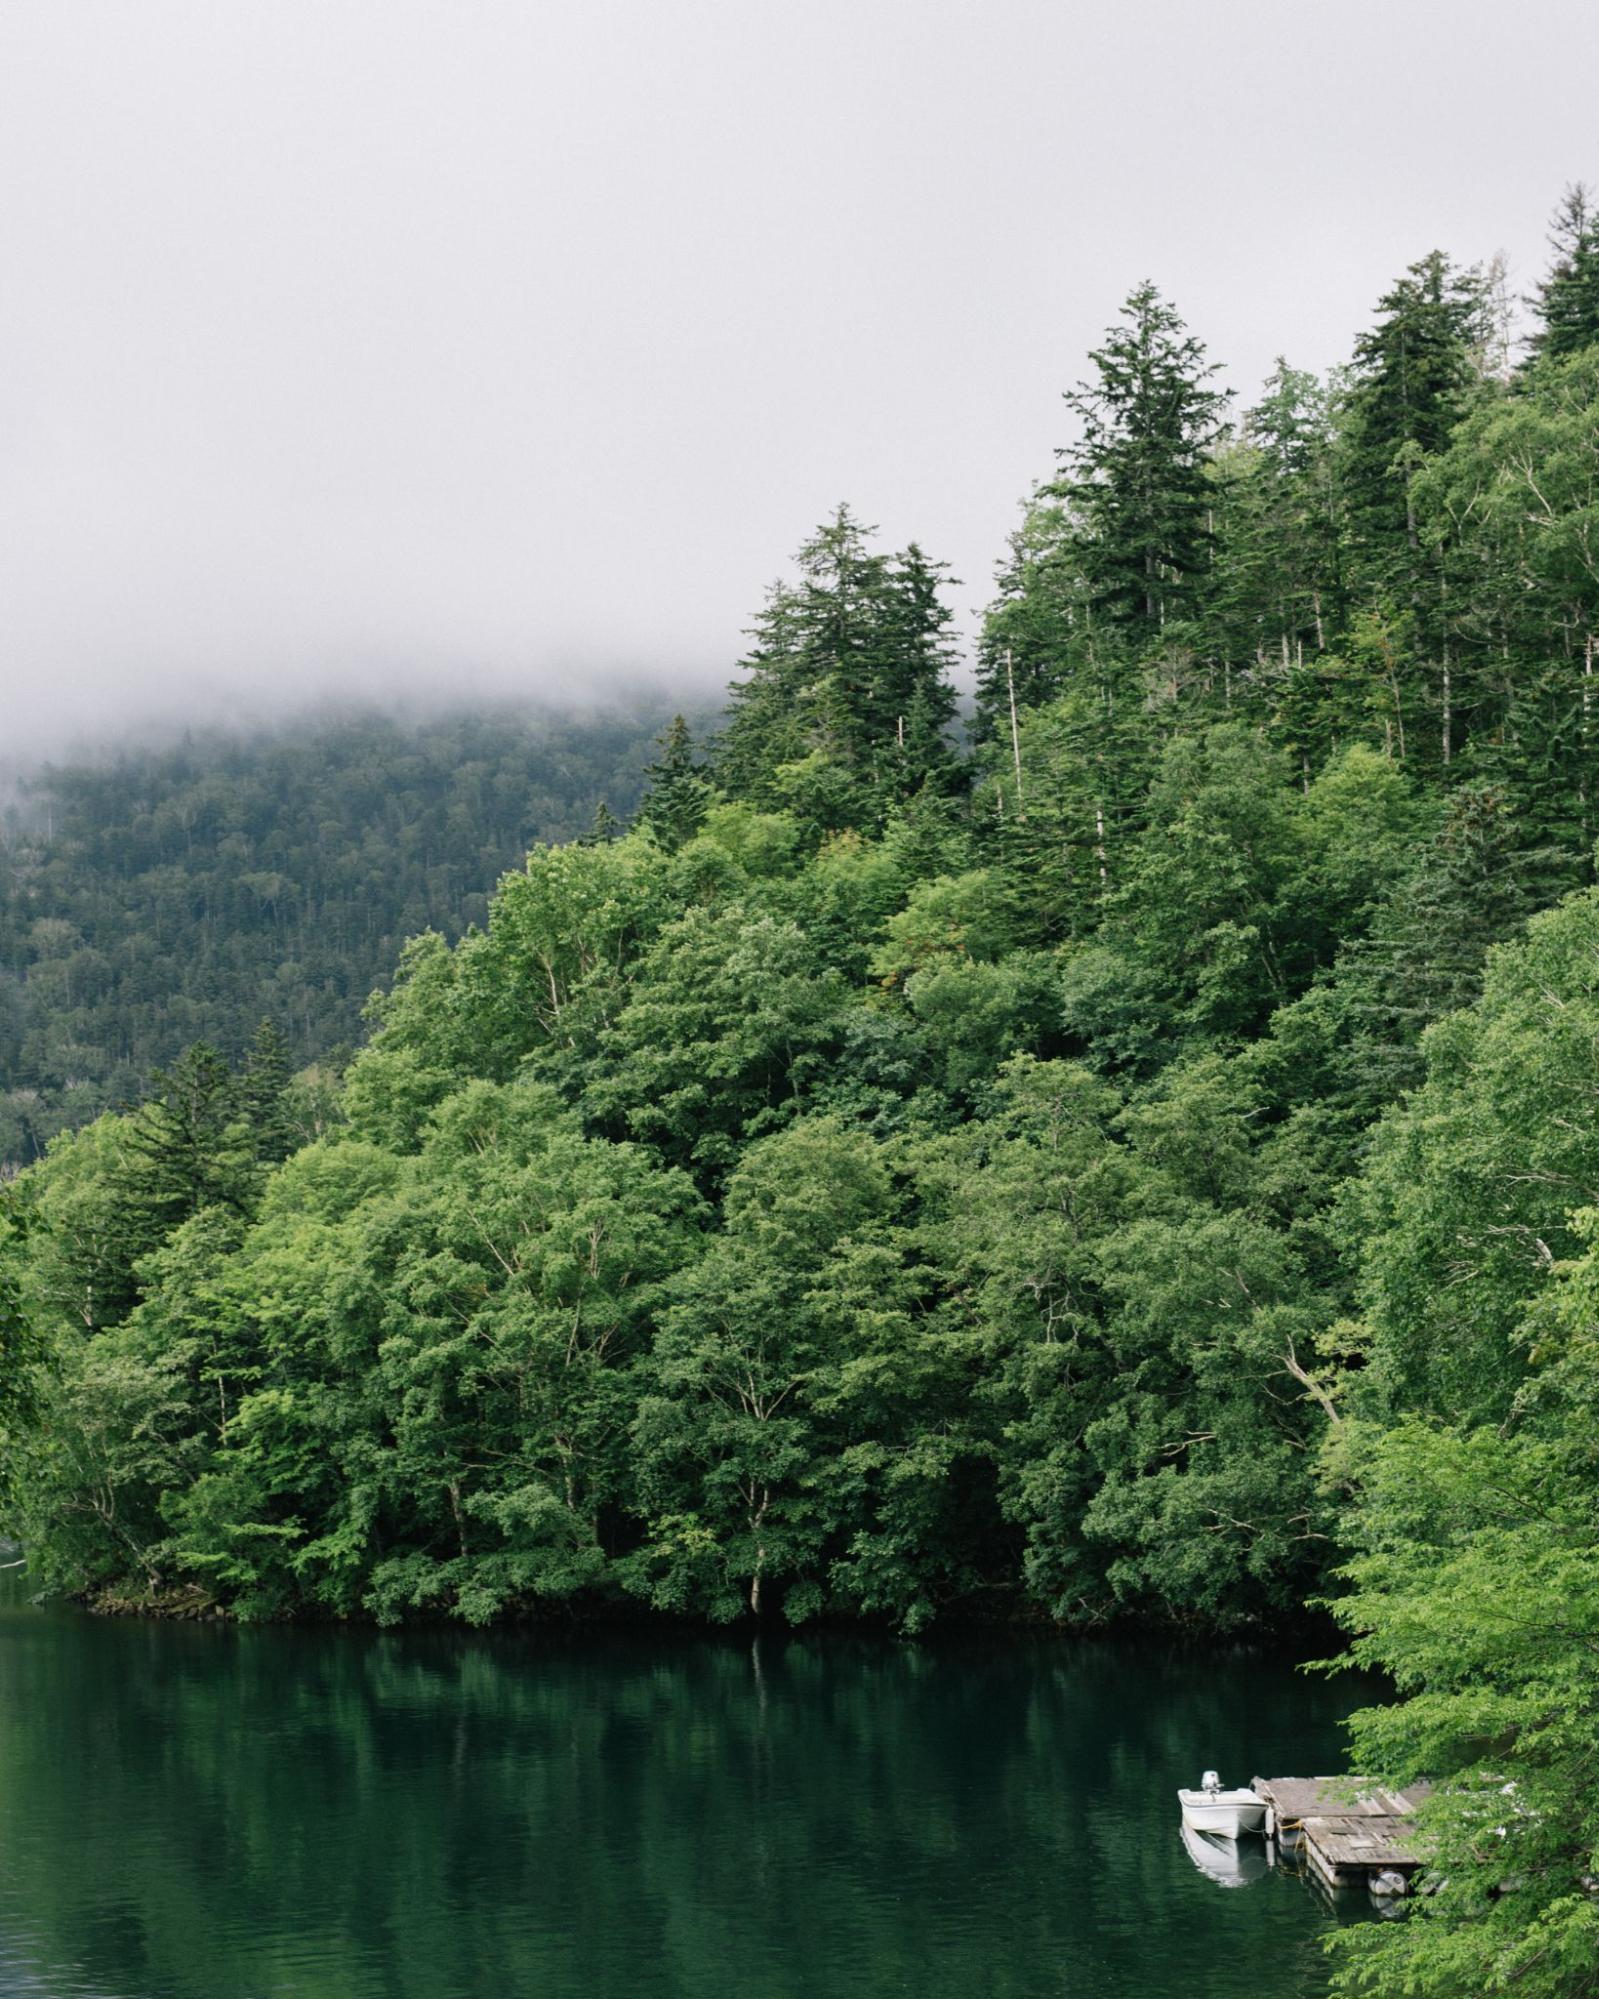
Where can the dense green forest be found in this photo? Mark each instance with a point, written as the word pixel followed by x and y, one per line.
pixel 1144 1166
pixel 176 894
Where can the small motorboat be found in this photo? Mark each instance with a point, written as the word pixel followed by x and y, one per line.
pixel 1226 1863
pixel 1225 1814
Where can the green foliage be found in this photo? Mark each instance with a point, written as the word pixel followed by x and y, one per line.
pixel 1475 1585
pixel 728 1024
pixel 1472 1181
pixel 23 1348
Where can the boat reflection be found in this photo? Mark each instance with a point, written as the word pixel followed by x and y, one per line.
pixel 1230 1863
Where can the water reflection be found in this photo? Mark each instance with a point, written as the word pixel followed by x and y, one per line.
pixel 192 1812
pixel 1230 1863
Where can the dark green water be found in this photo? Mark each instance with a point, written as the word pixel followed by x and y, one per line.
pixel 198 1813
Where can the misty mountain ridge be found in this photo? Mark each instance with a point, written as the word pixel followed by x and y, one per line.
pixel 184 886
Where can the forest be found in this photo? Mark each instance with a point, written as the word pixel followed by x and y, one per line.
pixel 175 894
pixel 1136 1161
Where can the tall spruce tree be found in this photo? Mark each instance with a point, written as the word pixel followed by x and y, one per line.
pixel 1136 477
pixel 1567 301
pixel 843 594
pixel 848 676
pixel 1416 373
pixel 915 699
pixel 1413 375
pixel 679 793
pixel 189 1143
pixel 264 1095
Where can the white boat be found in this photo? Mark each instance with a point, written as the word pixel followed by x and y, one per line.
pixel 1224 1814
pixel 1226 1863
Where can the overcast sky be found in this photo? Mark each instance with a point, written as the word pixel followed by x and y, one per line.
pixel 349 345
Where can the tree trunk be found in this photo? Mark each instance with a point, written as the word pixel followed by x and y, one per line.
pixel 1015 733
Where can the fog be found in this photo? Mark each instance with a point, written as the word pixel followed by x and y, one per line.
pixel 359 348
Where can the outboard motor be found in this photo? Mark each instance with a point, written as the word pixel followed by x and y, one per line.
pixel 1210 1782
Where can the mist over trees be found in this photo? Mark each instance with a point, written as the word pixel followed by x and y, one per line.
pixel 180 893
pixel 1141 1166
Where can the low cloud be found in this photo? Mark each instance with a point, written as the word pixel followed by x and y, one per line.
pixel 394 350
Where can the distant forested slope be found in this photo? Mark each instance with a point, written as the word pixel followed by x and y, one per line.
pixel 179 894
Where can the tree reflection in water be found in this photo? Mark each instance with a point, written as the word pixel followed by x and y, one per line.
pixel 187 1812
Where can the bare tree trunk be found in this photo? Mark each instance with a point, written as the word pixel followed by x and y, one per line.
pixel 1448 712
pixel 1015 732
pixel 760 1552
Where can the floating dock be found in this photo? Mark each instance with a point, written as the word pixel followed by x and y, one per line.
pixel 1351 1830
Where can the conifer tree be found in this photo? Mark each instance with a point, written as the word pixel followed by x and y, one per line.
pixel 843 596
pixel 189 1143
pixel 1473 886
pixel 768 711
pixel 1512 508
pixel 1413 374
pixel 1567 301
pixel 1278 593
pixel 1034 627
pixel 188 1146
pixel 1414 378
pixel 23 1341
pixel 848 674
pixel 679 793
pixel 604 826
pixel 264 1095
pixel 1136 477
pixel 915 701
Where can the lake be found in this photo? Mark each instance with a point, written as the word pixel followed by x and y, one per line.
pixel 200 1812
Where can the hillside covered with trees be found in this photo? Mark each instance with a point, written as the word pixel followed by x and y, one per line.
pixel 1146 1167
pixel 178 894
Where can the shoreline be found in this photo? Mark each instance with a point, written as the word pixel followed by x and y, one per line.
pixel 1305 1636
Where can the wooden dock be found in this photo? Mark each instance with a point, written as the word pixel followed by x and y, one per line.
pixel 1352 1831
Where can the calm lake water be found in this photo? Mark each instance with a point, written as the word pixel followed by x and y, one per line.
pixel 193 1812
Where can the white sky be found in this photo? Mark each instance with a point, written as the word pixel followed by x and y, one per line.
pixel 352 345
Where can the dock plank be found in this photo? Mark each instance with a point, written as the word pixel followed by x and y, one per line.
pixel 1365 1842
pixel 1295 1799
